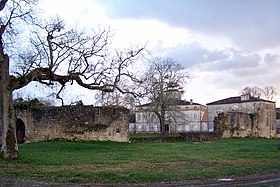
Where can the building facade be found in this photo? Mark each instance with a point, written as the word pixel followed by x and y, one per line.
pixel 246 116
pixel 184 116
pixel 278 122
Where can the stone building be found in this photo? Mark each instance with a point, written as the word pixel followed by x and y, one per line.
pixel 278 121
pixel 246 116
pixel 42 123
pixel 183 116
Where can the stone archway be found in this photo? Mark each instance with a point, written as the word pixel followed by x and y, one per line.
pixel 20 131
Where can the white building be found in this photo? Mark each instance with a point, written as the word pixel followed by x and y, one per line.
pixel 184 116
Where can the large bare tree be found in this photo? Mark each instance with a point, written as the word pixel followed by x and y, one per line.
pixel 54 54
pixel 117 98
pixel 164 78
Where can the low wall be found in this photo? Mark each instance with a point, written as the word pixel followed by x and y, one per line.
pixel 186 136
pixel 200 136
pixel 155 139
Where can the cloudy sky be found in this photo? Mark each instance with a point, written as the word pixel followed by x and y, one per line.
pixel 224 44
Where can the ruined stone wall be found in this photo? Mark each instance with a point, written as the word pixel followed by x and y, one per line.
pixel 240 124
pixel 75 123
pixel 247 119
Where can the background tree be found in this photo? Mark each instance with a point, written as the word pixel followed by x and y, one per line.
pixel 268 92
pixel 252 91
pixel 160 82
pixel 54 54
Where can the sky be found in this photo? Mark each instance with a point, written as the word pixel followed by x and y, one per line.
pixel 225 45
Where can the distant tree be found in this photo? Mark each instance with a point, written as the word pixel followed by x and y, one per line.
pixel 269 92
pixel 160 82
pixel 54 53
pixel 252 91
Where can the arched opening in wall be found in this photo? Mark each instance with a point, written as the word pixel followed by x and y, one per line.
pixel 20 131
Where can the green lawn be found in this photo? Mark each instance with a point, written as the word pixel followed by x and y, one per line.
pixel 111 162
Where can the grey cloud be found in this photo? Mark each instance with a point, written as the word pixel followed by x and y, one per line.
pixel 250 24
pixel 192 55
pixel 195 56
pixel 242 70
pixel 271 58
pixel 229 67
pixel 241 61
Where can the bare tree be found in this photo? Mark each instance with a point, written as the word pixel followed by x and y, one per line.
pixel 117 98
pixel 163 80
pixel 252 91
pixel 55 55
pixel 269 92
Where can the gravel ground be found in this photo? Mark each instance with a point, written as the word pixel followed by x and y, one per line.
pixel 272 179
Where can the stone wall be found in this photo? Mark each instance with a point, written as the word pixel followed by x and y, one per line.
pixel 251 119
pixel 43 123
pixel 238 124
pixel 200 136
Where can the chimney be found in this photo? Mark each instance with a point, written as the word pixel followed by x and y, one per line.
pixel 245 97
pixel 191 102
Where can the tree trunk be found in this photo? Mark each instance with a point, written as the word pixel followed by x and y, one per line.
pixel 9 141
pixel 162 124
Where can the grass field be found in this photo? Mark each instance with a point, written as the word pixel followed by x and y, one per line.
pixel 111 162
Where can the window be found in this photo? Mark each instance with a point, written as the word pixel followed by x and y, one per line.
pixel 278 127
pixel 188 117
pixel 149 116
pixel 179 128
pixel 247 120
pixel 232 120
pixel 196 128
pixel 155 127
pixel 180 117
pixel 138 117
pixel 147 127
pixel 195 116
pixel 144 116
pixel 139 128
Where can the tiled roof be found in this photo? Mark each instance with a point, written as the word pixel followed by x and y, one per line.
pixel 237 100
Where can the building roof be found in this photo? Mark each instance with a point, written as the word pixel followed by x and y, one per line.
pixel 237 99
pixel 177 102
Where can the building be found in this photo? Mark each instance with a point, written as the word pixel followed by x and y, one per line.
pixel 246 116
pixel 278 121
pixel 182 116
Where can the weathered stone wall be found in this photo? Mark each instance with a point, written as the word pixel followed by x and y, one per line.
pixel 200 136
pixel 247 119
pixel 75 123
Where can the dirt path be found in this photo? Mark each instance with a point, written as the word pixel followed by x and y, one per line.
pixel 272 179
